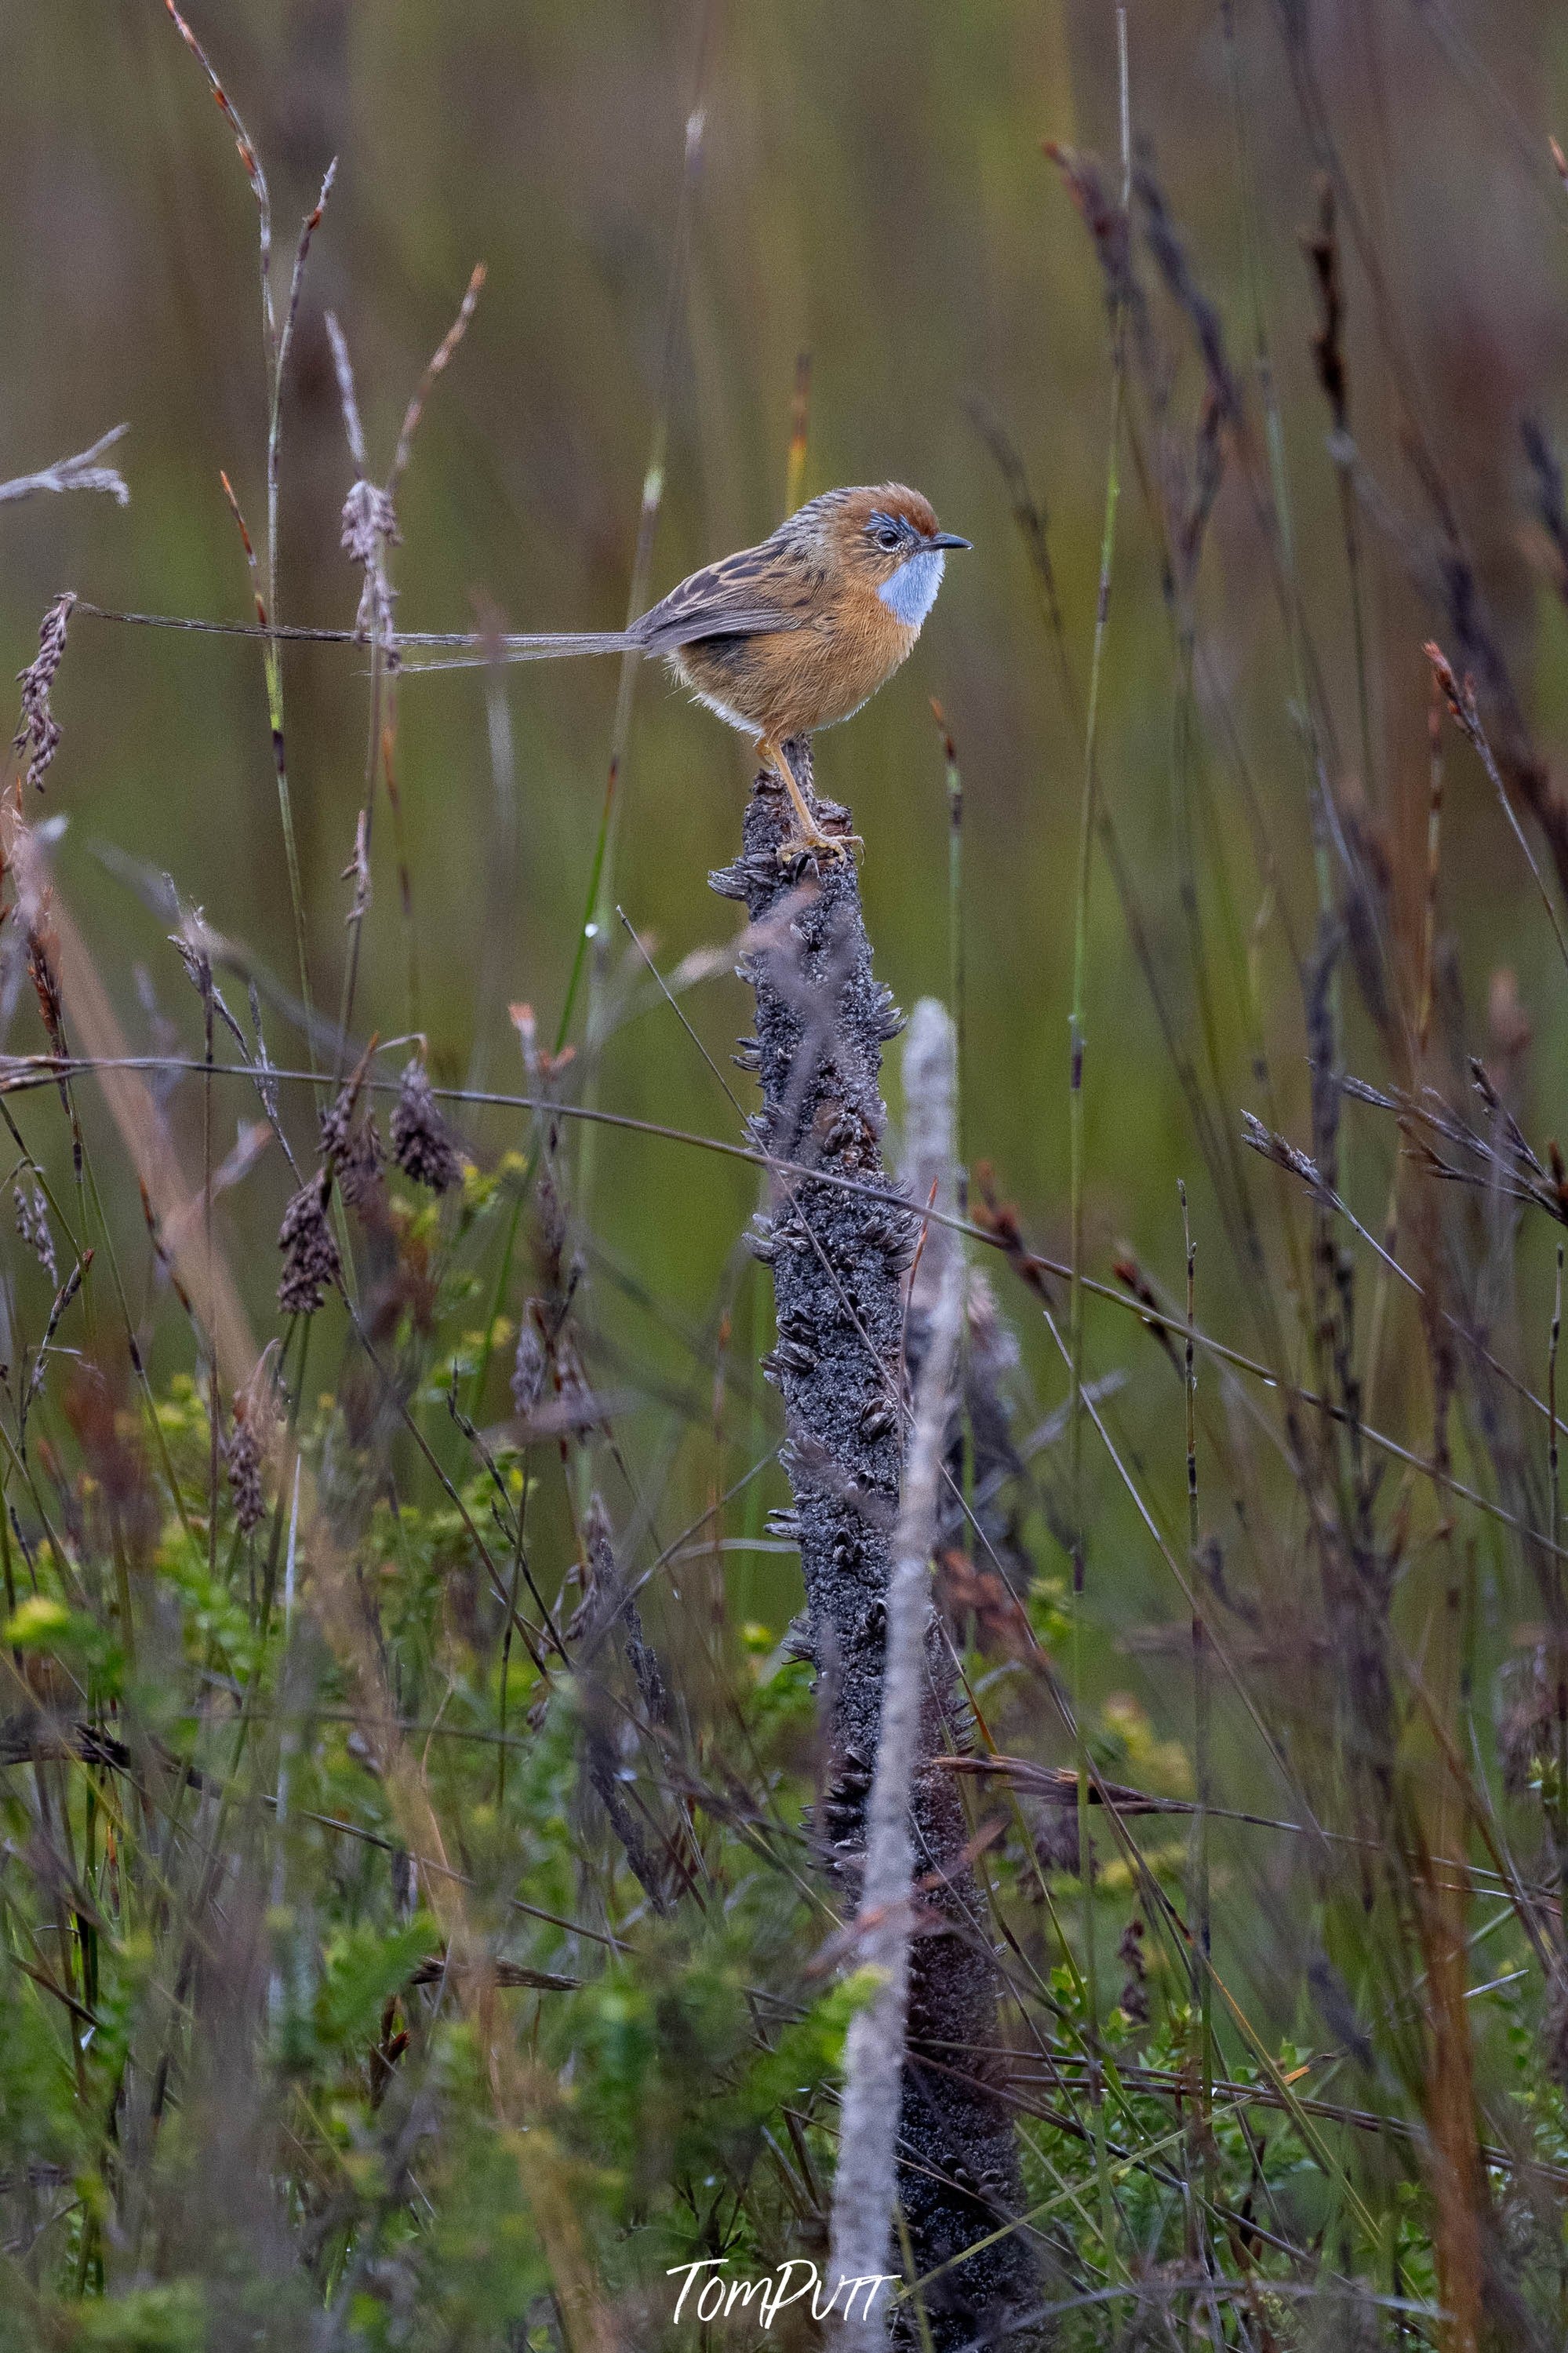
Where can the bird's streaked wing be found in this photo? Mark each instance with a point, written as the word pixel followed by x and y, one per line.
pixel 722 601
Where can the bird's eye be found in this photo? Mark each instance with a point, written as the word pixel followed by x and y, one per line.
pixel 888 537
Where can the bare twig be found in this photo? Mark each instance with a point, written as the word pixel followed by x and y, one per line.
pixel 81 472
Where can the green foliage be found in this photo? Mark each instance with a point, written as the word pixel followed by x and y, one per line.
pixel 683 2062
pixel 147 2320
pixel 40 2120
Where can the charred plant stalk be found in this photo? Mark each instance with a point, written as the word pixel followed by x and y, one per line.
pixel 838 1263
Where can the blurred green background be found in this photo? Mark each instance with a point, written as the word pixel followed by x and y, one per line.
pixel 872 191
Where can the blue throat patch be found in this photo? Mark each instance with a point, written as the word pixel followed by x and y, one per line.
pixel 909 595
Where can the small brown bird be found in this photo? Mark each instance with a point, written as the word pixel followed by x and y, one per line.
pixel 797 634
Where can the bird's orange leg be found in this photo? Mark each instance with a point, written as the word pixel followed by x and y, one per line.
pixel 811 836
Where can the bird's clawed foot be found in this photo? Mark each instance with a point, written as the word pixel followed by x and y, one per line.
pixel 809 840
pixel 812 842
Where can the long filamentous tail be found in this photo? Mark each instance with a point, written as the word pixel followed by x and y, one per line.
pixel 417 654
pixel 416 648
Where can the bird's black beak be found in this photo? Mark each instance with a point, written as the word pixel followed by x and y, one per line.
pixel 948 539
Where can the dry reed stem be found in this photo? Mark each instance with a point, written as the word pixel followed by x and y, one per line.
pixel 864 2188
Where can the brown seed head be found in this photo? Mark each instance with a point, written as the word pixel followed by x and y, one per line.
pixel 311 1261
pixel 421 1143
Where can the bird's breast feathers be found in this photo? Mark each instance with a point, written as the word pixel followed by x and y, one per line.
pixel 813 666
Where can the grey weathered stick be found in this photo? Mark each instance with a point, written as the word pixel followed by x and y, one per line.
pixel 838 1256
pixel 81 472
pixel 864 2189
pixel 929 1173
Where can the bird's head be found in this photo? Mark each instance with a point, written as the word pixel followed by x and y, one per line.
pixel 887 536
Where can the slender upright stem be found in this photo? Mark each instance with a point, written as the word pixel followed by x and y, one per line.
pixel 1555 1497
pixel 210 1333
pixel 1201 1902
pixel 956 985
pixel 1279 475
pixel 594 934
pixel 273 663
pixel 1076 1023
pixel 799 426
pixel 1075 1141
pixel 1559 1631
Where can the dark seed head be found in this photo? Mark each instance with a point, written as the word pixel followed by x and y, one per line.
pixel 242 1458
pixel 39 734
pixel 311 1261
pixel 359 1164
pixel 421 1144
